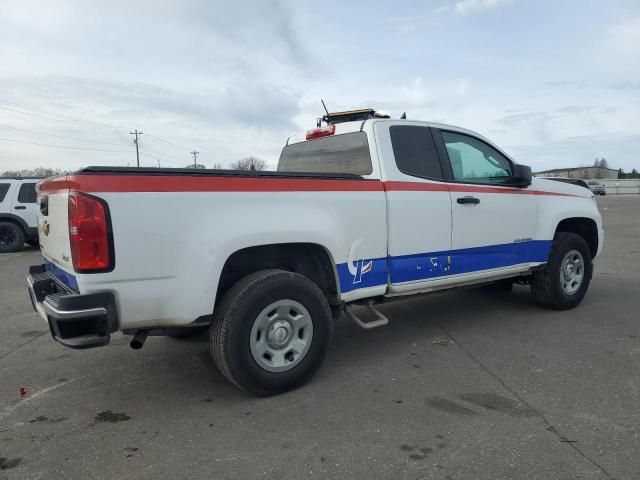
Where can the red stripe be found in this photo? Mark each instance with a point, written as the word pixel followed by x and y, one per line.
pixel 179 183
pixel 394 186
pixel 157 183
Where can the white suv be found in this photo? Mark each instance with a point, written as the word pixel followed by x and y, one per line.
pixel 18 213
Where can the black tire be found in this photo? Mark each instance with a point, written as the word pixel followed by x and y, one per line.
pixel 188 332
pixel 33 242
pixel 233 321
pixel 546 285
pixel 11 237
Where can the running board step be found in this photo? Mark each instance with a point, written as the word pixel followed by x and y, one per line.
pixel 380 319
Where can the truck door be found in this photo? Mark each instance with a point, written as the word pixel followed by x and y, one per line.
pixel 418 204
pixel 493 226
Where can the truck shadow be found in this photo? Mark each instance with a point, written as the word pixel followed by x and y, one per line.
pixel 416 321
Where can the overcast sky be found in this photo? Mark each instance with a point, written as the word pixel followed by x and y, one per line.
pixel 555 83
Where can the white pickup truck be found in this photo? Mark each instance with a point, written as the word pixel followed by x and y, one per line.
pixel 359 212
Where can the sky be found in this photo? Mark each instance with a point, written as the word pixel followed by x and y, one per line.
pixel 554 83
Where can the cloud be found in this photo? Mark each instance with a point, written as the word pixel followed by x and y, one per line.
pixel 468 7
pixel 580 150
pixel 624 37
pixel 223 122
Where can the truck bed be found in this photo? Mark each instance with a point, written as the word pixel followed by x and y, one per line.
pixel 215 173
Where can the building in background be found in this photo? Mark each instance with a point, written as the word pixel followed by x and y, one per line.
pixel 583 173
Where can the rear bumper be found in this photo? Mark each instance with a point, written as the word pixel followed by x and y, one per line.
pixel 76 321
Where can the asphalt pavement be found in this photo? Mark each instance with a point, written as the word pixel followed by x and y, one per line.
pixel 473 384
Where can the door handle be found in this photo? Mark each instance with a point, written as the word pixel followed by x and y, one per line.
pixel 20 207
pixel 468 200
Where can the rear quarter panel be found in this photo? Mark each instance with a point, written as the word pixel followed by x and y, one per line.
pixel 170 247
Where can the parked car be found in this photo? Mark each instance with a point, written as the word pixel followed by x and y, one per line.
pixel 597 188
pixel 18 213
pixel 359 212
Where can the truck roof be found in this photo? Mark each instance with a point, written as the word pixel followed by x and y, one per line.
pixel 358 126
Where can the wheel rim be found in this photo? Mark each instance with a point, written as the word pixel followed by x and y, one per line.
pixel 8 237
pixel 281 336
pixel 572 272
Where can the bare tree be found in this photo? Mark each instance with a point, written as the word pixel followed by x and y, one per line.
pixel 36 172
pixel 249 163
pixel 601 163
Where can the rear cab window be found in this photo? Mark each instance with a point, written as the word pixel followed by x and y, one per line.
pixel 4 188
pixel 344 153
pixel 27 193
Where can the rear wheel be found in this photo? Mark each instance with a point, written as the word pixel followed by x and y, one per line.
pixel 11 237
pixel 271 331
pixel 564 281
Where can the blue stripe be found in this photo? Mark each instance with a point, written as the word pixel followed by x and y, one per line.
pixel 377 276
pixel 66 278
pixel 426 266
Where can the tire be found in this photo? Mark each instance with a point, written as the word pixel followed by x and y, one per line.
pixel 239 332
pixel 547 285
pixel 188 332
pixel 11 237
pixel 33 242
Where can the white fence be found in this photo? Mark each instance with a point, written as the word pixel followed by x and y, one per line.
pixel 616 187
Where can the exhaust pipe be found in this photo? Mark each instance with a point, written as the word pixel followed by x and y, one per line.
pixel 138 339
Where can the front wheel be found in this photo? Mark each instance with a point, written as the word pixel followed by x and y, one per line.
pixel 270 332
pixel 564 281
pixel 11 237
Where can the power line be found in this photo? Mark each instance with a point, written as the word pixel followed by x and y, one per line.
pixel 167 142
pixel 75 121
pixel 61 136
pixel 42 112
pixel 62 146
pixel 62 120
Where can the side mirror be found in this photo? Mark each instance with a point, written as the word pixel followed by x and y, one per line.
pixel 521 176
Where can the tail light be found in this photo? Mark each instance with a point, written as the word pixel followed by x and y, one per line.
pixel 321 132
pixel 90 234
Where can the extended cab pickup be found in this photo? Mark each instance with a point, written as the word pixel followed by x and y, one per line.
pixel 358 212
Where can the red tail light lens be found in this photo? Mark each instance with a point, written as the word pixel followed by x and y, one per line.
pixel 321 132
pixel 90 234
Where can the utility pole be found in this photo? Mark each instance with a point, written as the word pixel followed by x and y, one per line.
pixel 195 158
pixel 136 133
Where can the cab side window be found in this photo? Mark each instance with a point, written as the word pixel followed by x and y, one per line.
pixel 415 151
pixel 4 188
pixel 475 161
pixel 27 193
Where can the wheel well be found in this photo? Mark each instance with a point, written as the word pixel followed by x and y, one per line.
pixel 11 219
pixel 585 227
pixel 308 259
